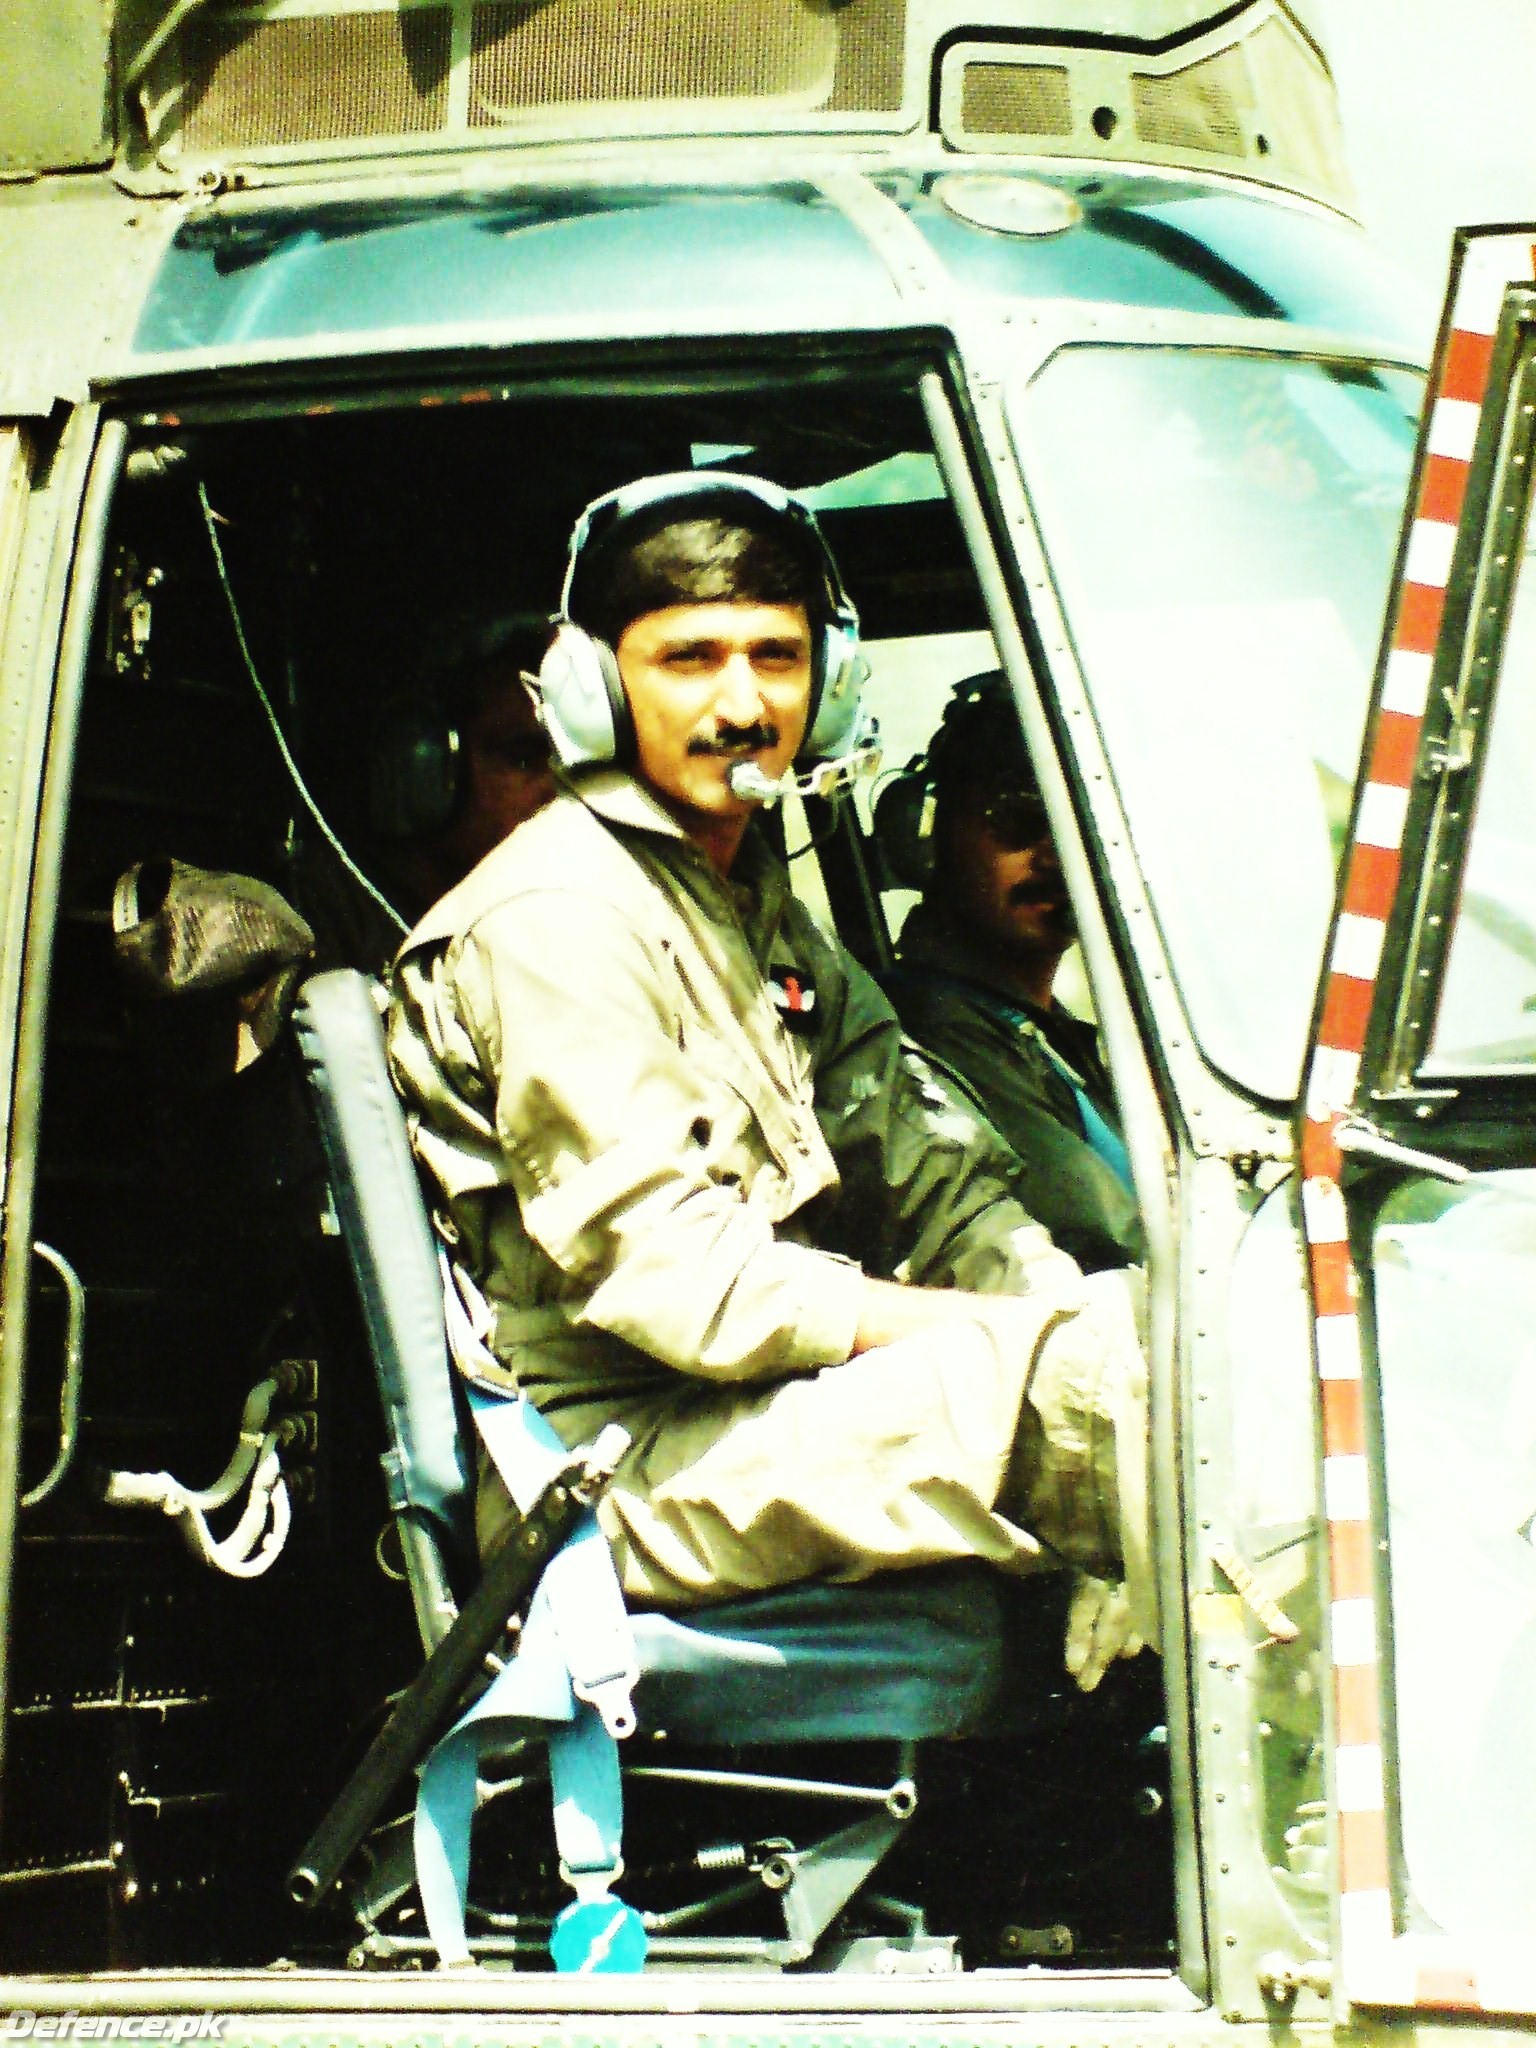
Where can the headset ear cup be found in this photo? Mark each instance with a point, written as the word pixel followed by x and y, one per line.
pixel 903 828
pixel 618 705
pixel 413 771
pixel 834 720
pixel 581 699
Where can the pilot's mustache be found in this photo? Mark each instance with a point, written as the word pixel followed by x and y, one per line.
pixel 737 739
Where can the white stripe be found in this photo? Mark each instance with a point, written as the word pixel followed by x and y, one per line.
pixel 1383 809
pixel 1333 1081
pixel 1346 1488
pixel 1353 1632
pixel 1503 1985
pixel 1486 272
pixel 1378 1969
pixel 1322 1206
pixel 1338 1348
pixel 1453 428
pixel 1406 687
pixel 1357 946
pixel 1357 1777
pixel 1431 543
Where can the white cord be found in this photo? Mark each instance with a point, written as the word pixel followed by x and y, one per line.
pixel 254 1543
pixel 278 734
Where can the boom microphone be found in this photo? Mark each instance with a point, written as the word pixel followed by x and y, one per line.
pixel 749 782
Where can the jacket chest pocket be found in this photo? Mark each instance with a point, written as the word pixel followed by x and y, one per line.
pixel 762 1134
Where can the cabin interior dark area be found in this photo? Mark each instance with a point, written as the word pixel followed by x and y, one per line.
pixel 174 1733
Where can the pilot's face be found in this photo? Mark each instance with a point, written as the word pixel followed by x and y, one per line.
pixel 710 685
pixel 1005 881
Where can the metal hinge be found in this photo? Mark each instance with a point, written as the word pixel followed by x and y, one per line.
pixel 1450 756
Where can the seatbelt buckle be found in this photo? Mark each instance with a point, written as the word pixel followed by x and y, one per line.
pixel 610 1700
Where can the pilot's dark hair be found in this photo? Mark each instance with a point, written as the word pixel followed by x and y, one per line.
pixel 664 561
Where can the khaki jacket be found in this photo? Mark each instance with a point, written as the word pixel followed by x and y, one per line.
pixel 657 1173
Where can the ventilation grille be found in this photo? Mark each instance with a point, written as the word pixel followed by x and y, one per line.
pixel 617 50
pixel 1017 99
pixel 1259 100
pixel 250 84
pixel 239 78
pixel 1194 109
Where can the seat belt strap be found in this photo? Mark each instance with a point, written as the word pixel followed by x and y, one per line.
pixel 570 1682
pixel 590 1619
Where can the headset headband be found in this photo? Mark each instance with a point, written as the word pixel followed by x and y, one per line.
pixel 613 508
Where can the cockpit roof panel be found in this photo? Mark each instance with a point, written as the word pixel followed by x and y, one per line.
pixel 651 260
pixel 608 260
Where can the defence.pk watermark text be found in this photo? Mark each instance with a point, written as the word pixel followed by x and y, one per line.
pixel 103 2026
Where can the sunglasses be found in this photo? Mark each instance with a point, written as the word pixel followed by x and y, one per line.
pixel 1017 819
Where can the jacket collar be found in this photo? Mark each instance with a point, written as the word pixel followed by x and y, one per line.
pixel 611 795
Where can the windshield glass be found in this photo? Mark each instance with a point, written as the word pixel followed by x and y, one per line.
pixel 1222 528
pixel 1487 1016
pixel 1453 1289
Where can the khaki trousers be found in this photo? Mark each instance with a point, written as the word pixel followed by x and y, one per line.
pixel 1016 1435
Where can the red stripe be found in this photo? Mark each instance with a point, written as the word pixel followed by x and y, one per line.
pixel 1419 611
pixel 1357 1704
pixel 1346 1007
pixel 1468 359
pixel 1320 1155
pixel 1363 1863
pixel 1443 488
pixel 1372 885
pixel 1395 748
pixel 1333 1280
pixel 1352 1545
pixel 1343 1419
pixel 1453 1987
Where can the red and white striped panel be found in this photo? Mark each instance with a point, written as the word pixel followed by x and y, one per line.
pixel 1380 1968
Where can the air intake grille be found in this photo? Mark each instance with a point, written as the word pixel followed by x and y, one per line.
pixel 1196 108
pixel 871 50
pixel 1017 99
pixel 253 83
pixel 283 73
pixel 1251 96
pixel 1268 97
pixel 535 56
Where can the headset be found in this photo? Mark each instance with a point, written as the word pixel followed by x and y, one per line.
pixel 905 805
pixel 415 767
pixel 582 701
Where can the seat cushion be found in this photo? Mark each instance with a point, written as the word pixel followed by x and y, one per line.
pixel 940 1651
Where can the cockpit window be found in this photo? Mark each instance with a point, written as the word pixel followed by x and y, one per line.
pixel 1222 529
pixel 1487 1017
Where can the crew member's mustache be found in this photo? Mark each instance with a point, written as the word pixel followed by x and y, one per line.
pixel 737 739
pixel 1049 897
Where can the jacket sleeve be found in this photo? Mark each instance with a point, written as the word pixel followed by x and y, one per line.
pixel 928 1187
pixel 625 1156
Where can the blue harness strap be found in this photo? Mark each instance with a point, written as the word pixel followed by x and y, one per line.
pixel 570 1682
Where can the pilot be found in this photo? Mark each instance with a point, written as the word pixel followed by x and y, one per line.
pixel 629 1057
pixel 455 763
pixel 978 965
pixel 461 762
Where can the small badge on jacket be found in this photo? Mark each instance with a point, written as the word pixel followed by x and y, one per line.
pixel 794 997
